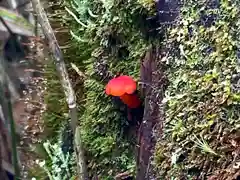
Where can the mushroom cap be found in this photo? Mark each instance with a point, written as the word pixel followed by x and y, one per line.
pixel 131 100
pixel 120 85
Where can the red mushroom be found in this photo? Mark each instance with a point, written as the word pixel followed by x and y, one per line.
pixel 124 87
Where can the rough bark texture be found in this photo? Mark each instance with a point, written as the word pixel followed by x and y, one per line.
pixel 153 85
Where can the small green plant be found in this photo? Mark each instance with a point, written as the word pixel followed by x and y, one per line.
pixel 60 165
pixel 203 145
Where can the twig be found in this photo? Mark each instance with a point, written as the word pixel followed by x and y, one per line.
pixel 122 176
pixel 65 82
pixel 80 73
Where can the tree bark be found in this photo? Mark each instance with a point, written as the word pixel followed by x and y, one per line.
pixel 153 87
pixel 65 82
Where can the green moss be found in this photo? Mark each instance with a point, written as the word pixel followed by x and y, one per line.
pixel 202 105
pixel 112 34
pixel 56 107
pixel 202 101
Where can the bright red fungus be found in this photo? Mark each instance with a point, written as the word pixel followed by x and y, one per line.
pixel 124 87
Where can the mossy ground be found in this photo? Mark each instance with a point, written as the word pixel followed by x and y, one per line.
pixel 110 38
pixel 201 130
pixel 103 47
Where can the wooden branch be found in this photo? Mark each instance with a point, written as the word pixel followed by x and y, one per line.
pixel 65 82
pixel 123 175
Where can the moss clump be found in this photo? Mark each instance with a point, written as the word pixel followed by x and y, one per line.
pixel 56 106
pixel 110 37
pixel 202 118
pixel 202 121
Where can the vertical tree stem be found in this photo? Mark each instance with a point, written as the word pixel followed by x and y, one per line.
pixel 65 82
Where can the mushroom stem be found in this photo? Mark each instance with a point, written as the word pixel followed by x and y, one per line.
pixel 131 100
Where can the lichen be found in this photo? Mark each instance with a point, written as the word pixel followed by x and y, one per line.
pixel 202 101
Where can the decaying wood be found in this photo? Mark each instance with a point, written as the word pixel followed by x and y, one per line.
pixel 66 84
pixel 153 85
